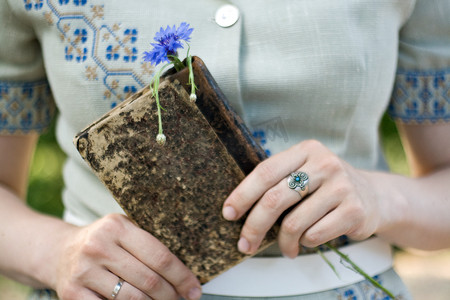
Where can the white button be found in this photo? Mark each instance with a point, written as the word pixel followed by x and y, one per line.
pixel 227 15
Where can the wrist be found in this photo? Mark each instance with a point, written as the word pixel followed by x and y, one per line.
pixel 392 201
pixel 51 239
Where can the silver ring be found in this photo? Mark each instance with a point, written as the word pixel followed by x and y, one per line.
pixel 298 181
pixel 117 288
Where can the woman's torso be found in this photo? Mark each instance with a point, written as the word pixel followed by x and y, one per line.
pixel 294 70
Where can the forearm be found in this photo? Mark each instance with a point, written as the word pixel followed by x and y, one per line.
pixel 28 241
pixel 415 211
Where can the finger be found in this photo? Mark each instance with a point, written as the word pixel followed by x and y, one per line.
pixel 144 279
pixel 331 226
pixel 271 206
pixel 326 229
pixel 302 217
pixel 265 213
pixel 104 282
pixel 266 175
pixel 147 249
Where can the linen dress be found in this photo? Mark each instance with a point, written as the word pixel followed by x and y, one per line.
pixel 294 70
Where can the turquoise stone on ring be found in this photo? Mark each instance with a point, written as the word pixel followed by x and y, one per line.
pixel 298 181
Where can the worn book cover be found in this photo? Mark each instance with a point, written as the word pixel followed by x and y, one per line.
pixel 176 191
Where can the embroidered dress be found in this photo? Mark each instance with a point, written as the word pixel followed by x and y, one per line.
pixel 360 291
pixel 294 70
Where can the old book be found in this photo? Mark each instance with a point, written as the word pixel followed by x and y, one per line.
pixel 176 191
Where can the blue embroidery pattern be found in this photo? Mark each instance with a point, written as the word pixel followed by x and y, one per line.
pixel 421 97
pixel 270 130
pixel 108 52
pixel 37 4
pixel 260 136
pixel 363 290
pixel 25 107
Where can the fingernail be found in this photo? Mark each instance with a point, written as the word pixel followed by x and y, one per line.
pixel 229 213
pixel 243 245
pixel 290 256
pixel 194 294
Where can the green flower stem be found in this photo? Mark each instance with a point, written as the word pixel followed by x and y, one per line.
pixel 359 270
pixel 191 74
pixel 155 89
pixel 156 95
pixel 175 61
pixel 328 263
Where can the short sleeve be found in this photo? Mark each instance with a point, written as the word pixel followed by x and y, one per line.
pixel 421 93
pixel 26 103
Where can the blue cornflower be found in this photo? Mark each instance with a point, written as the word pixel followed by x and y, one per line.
pixel 168 41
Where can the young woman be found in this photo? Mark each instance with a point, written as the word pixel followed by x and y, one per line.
pixel 312 79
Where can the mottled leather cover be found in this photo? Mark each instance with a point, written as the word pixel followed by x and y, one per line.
pixel 176 191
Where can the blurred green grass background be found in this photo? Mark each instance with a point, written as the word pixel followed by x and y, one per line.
pixel 45 182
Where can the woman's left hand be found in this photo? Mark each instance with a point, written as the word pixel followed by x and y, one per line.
pixel 341 200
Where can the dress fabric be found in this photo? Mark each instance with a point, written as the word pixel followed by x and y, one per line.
pixel 294 70
pixel 362 290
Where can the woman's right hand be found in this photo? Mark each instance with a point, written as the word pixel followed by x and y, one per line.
pixel 92 259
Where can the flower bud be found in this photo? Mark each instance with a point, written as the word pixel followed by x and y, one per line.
pixel 161 139
pixel 193 97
